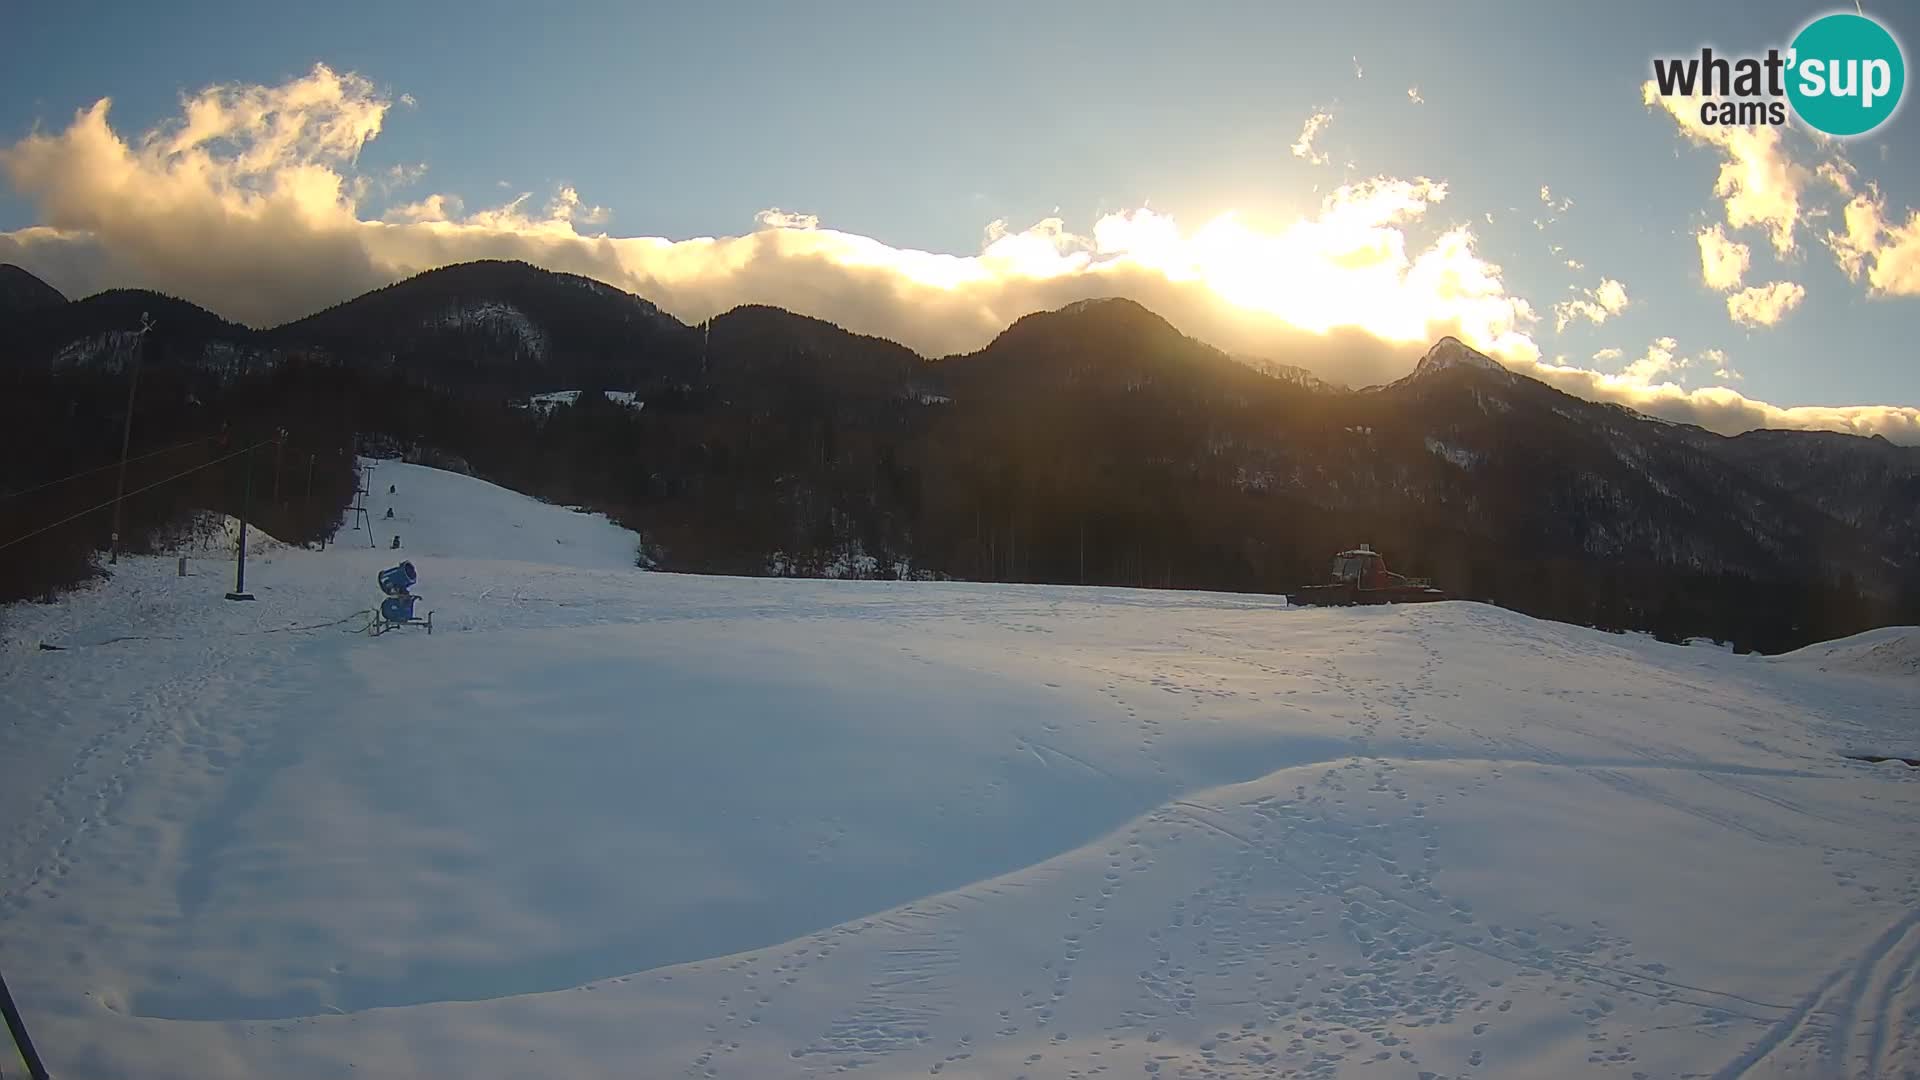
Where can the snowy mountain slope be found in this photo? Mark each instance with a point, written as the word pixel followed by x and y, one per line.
pixel 604 822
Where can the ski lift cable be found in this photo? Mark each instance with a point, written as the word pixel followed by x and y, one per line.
pixel 136 491
pixel 103 468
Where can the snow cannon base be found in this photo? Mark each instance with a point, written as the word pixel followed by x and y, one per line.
pixel 390 617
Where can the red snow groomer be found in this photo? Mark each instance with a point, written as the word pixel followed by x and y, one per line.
pixel 1361 576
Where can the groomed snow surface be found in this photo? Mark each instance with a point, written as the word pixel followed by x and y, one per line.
pixel 610 823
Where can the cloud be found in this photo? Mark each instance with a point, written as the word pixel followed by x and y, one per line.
pixel 1358 71
pixel 1560 206
pixel 247 203
pixel 431 208
pixel 1303 146
pixel 405 175
pixel 1838 173
pixel 776 218
pixel 1658 360
pixel 1595 305
pixel 1719 408
pixel 1723 261
pixel 250 202
pixel 1413 95
pixel 1722 368
pixel 1885 254
pixel 1758 185
pixel 1607 355
pixel 1764 305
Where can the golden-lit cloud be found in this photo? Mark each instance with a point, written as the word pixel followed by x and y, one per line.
pixel 1758 184
pixel 1644 385
pixel 1886 254
pixel 1723 260
pixel 250 202
pixel 1657 361
pixel 1303 146
pixel 1595 305
pixel 1722 368
pixel 1764 305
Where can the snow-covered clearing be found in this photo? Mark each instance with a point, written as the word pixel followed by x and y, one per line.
pixel 604 822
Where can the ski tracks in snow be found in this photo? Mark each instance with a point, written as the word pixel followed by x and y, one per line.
pixel 1860 1022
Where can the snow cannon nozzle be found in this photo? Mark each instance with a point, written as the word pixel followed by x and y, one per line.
pixel 398 580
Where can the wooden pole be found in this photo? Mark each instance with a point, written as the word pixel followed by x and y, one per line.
pixel 126 435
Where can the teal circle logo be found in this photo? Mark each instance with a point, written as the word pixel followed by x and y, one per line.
pixel 1847 74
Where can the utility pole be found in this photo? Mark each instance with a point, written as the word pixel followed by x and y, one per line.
pixel 240 563
pixel 18 1027
pixel 126 434
pixel 279 444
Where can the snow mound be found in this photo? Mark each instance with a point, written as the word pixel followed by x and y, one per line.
pixel 446 515
pixel 1892 651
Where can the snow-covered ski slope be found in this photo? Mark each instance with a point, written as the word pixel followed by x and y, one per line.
pixel 612 823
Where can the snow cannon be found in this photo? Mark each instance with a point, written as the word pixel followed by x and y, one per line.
pixel 398 580
pixel 398 608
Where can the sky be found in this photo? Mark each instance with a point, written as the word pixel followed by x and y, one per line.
pixel 1331 185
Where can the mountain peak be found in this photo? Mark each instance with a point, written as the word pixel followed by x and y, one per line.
pixel 1451 352
pixel 21 291
pixel 1095 303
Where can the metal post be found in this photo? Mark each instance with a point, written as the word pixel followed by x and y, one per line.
pixel 240 561
pixel 309 503
pixel 126 435
pixel 18 1027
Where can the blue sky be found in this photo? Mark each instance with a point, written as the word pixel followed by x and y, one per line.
pixel 917 126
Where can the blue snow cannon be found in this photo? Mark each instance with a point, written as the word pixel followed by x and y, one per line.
pixel 397 581
pixel 397 608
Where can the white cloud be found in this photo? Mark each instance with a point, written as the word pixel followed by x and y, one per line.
pixel 1413 95
pixel 1658 360
pixel 1303 146
pixel 1607 355
pixel 1595 305
pixel 1722 367
pixel 1723 261
pixel 432 208
pixel 1358 71
pixel 1759 186
pixel 1885 254
pixel 1765 305
pixel 249 203
pixel 776 218
pixel 404 175
pixel 1720 408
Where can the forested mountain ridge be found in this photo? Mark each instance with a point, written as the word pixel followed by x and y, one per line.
pixel 1093 444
